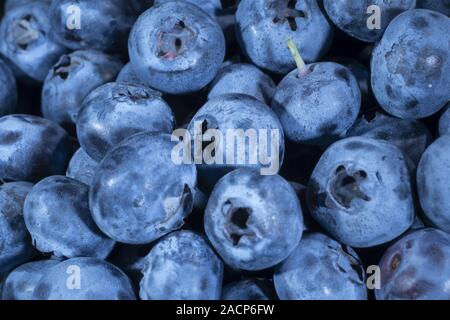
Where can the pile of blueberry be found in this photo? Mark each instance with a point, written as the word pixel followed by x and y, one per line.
pixel 238 150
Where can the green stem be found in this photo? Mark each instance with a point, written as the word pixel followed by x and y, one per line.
pixel 301 66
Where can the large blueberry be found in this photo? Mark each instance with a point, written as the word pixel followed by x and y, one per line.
pixel 411 64
pixel 139 193
pixel 251 289
pixel 32 148
pixel 87 24
pixel 57 215
pixel 25 40
pixel 253 221
pixel 15 241
pixel 442 6
pixel 84 279
pixel 433 185
pixel 115 111
pixel 360 192
pixel 321 269
pixel 21 282
pixel 319 104
pixel 82 167
pixel 237 131
pixel 243 78
pixel 175 47
pixel 182 266
pixel 71 79
pixel 410 136
pixel 417 267
pixel 8 90
pixel 354 17
pixel 265 26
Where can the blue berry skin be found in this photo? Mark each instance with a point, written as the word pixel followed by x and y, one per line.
pixel 212 7
pixel 432 183
pixel 182 266
pixel 116 111
pixel 442 6
pixel 265 26
pixel 410 65
pixel 21 282
pixel 104 25
pixel 254 222
pixel 251 289
pixel 135 203
pixel 321 269
pixel 410 136
pixel 71 79
pixel 99 280
pixel 8 90
pixel 352 17
pixel 444 122
pixel 360 192
pixel 176 47
pixel 57 215
pixel 26 42
pixel 10 4
pixel 82 167
pixel 128 75
pixel 416 267
pixel 32 148
pixel 243 78
pixel 15 242
pixel 318 106
pixel 235 111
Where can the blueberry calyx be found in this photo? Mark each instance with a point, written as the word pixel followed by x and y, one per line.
pixel 346 186
pixel 239 216
pixel 289 14
pixel 25 32
pixel 171 43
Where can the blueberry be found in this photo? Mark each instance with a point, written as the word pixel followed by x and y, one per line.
pixel 182 266
pixel 442 6
pixel 433 186
pixel 177 48
pixel 360 192
pixel 115 111
pixel 352 17
pixel 86 24
pixel 212 7
pixel 321 269
pixel 84 279
pixel 411 136
pixel 229 112
pixel 128 75
pixel 410 65
pixel 57 215
pixel 15 242
pixel 8 90
pixel 416 267
pixel 264 27
pixel 444 122
pixel 243 78
pixel 139 194
pixel 10 4
pixel 71 79
pixel 319 104
pixel 251 289
pixel 82 167
pixel 253 221
pixel 25 40
pixel 21 282
pixel 32 148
